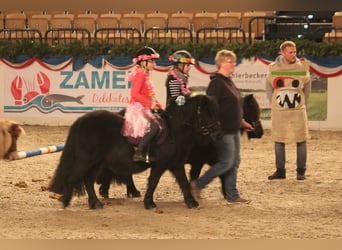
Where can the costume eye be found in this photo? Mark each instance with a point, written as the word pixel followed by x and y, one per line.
pixel 279 83
pixel 295 83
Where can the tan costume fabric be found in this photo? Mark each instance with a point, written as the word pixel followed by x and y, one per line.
pixel 289 117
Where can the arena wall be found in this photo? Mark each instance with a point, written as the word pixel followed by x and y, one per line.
pixel 332 122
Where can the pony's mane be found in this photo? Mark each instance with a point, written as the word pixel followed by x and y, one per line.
pixel 251 103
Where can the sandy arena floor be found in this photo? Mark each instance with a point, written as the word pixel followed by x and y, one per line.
pixel 281 209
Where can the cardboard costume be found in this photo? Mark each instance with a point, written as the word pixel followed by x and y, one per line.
pixel 289 117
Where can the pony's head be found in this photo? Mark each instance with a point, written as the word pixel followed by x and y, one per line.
pixel 198 114
pixel 251 113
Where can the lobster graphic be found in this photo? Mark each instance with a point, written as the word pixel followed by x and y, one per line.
pixel 41 81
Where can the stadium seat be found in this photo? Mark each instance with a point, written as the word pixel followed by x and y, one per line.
pixel 85 21
pixel 256 31
pixel 15 21
pixel 336 33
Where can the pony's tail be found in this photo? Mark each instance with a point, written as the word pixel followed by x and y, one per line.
pixel 65 181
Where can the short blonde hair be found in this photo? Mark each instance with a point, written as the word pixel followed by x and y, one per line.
pixel 285 44
pixel 222 56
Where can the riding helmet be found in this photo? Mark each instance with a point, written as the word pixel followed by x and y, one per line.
pixel 182 56
pixel 144 54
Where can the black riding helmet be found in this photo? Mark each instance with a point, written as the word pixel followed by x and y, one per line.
pixel 144 54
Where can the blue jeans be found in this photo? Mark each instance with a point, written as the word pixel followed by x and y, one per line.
pixel 280 156
pixel 228 152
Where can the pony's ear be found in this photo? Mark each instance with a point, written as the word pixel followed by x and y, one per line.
pixel 249 97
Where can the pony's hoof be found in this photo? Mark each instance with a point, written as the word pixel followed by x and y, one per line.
pixel 134 194
pixel 150 205
pixel 192 204
pixel 104 195
pixel 96 205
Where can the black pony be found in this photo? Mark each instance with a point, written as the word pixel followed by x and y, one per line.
pixel 199 155
pixel 95 146
pixel 206 154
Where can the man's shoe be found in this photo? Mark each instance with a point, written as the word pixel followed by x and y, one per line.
pixel 138 156
pixel 196 193
pixel 300 177
pixel 278 174
pixel 239 201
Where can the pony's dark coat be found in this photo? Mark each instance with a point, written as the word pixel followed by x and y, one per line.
pixel 206 154
pixel 200 154
pixel 95 146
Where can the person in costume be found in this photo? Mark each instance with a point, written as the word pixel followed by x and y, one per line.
pixel 288 86
pixel 140 121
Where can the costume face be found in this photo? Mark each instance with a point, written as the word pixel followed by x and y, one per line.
pixel 288 92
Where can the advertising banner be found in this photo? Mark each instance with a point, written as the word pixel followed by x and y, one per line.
pixel 35 88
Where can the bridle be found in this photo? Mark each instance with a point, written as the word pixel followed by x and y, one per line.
pixel 206 128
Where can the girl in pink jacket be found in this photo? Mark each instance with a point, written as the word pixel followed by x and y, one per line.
pixel 140 122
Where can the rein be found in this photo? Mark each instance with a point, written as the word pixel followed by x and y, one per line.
pixel 204 128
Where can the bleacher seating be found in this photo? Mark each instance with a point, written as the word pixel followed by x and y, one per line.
pixel 15 28
pixel 15 21
pixel 2 21
pixel 228 21
pixel 108 20
pixel 335 35
pixel 39 22
pixel 165 16
pixel 252 25
pixel 180 27
pixel 87 22
pixel 107 26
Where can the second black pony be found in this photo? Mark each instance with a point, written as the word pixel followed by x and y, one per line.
pixel 206 154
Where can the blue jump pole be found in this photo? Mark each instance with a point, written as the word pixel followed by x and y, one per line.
pixel 39 151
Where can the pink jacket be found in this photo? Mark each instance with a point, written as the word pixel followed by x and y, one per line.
pixel 142 89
